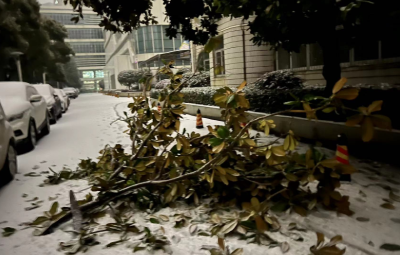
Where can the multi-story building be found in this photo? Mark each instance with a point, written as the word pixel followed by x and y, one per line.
pixel 144 48
pixel 237 59
pixel 85 38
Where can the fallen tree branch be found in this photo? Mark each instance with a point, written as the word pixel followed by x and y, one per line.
pixel 131 188
pixel 117 172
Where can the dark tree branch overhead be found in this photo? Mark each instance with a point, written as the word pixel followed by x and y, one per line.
pixel 287 24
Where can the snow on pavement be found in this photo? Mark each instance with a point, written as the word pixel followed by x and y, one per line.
pixel 85 129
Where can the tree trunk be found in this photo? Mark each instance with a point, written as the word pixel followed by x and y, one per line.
pixel 331 54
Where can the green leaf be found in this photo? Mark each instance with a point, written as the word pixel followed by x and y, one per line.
pixel 390 247
pixel 291 103
pixel 39 220
pixel 223 132
pixel 215 141
pixel 53 208
pixel 154 221
pixel 328 109
pixel 231 98
pixel 280 206
pixel 7 231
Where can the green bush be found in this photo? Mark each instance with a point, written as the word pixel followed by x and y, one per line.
pixel 192 95
pixel 281 80
pixel 200 79
pixel 162 84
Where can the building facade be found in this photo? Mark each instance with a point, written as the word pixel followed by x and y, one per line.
pixel 131 51
pixel 237 59
pixel 85 38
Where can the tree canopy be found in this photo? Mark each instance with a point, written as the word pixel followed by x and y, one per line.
pixel 288 24
pixel 41 40
pixel 130 77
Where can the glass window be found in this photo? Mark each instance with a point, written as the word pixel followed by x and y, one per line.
pixel 168 44
pixel 206 64
pixel 178 41
pixel 283 59
pixel 88 74
pixel 219 58
pixel 366 50
pixel 65 18
pixel 390 48
pixel 140 40
pixel 157 36
pixel 85 33
pixel 316 57
pixel 299 59
pixel 203 61
pixel 88 47
pixel 148 39
pixel 99 73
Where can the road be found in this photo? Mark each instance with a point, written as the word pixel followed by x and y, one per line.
pixel 79 134
pixel 85 129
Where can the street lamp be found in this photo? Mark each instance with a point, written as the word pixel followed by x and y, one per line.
pixel 16 55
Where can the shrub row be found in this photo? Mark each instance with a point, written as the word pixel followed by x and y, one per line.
pixel 270 101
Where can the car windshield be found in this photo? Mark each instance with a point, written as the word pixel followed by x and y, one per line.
pixel 43 89
pixel 12 90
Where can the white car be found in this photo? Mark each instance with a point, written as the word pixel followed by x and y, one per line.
pixel 8 154
pixel 53 101
pixel 64 99
pixel 26 111
pixel 71 92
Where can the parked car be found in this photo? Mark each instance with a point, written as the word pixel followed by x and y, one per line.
pixel 52 100
pixel 8 154
pixel 71 92
pixel 64 99
pixel 26 111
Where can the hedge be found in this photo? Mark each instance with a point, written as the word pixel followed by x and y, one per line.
pixel 269 101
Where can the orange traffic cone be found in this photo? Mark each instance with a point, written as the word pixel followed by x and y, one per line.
pixel 342 155
pixel 199 120
pixel 159 108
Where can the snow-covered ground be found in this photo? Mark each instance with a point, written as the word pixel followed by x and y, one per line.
pixel 85 129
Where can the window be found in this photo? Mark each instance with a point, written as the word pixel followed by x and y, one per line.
pixel 93 47
pixel 178 41
pixel 203 61
pixel 140 36
pixel 65 18
pixel 299 59
pixel 148 39
pixel 390 48
pixel 316 57
pixel 88 74
pixel 99 73
pixel 168 43
pixel 85 33
pixel 312 55
pixel 219 58
pixel 157 37
pixel 366 50
pixel 283 59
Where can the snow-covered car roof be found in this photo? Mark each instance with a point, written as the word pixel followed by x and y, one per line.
pixel 69 88
pixel 13 89
pixel 44 89
pixel 60 91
